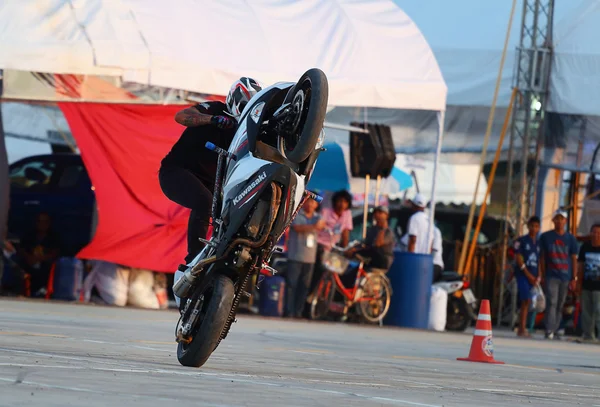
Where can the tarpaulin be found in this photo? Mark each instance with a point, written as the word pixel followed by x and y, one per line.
pixel 122 146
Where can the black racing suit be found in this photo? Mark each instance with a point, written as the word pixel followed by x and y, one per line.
pixel 187 173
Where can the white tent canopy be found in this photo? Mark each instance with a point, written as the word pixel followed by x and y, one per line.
pixel 455 183
pixel 467 37
pixel 371 51
pixel 575 76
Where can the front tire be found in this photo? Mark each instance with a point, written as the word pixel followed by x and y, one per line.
pixel 457 318
pixel 216 311
pixel 309 100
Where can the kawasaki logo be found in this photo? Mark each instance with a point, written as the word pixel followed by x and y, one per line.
pixel 249 188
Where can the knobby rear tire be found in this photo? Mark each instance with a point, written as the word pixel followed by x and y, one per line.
pixel 313 123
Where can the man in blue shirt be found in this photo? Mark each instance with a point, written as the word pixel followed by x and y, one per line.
pixel 558 259
pixel 527 252
pixel 302 253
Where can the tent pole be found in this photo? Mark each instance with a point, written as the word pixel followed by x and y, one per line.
pixel 438 152
pixel 377 190
pixel 490 184
pixel 366 206
pixel 488 132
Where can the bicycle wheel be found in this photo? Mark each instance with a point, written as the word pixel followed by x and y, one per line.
pixel 374 303
pixel 319 306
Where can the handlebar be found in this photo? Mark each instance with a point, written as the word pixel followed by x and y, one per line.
pixel 351 245
pixel 220 151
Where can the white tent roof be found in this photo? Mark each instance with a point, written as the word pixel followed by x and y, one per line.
pixel 467 37
pixel 575 75
pixel 455 182
pixel 371 51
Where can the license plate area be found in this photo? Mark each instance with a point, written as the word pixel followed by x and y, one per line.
pixel 469 296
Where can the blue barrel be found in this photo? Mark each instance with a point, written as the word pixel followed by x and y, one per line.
pixel 68 278
pixel 411 276
pixel 272 292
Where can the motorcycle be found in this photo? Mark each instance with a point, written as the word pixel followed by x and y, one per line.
pixel 260 187
pixel 461 301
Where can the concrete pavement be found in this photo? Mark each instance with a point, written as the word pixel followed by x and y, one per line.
pixel 56 354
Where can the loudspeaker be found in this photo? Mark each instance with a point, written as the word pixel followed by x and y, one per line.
pixel 388 156
pixel 371 154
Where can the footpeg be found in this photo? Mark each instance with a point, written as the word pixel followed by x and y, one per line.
pixel 270 269
pixel 207 242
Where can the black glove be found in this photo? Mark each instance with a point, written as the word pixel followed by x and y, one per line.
pixel 223 122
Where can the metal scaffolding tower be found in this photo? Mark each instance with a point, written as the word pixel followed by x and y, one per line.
pixel 531 78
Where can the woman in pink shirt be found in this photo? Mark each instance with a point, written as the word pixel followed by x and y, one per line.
pixel 338 220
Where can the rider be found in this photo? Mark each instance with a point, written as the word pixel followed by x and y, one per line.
pixel 187 173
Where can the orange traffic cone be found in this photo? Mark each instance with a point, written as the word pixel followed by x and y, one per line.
pixel 482 347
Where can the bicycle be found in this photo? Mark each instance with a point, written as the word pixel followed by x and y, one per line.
pixel 371 292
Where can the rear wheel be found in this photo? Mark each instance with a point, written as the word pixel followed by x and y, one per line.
pixel 309 106
pixel 378 291
pixel 319 306
pixel 217 301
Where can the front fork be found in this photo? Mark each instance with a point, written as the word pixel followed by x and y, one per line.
pixel 216 203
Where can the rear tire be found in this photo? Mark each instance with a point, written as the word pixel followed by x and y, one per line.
pixel 314 84
pixel 319 306
pixel 375 310
pixel 206 338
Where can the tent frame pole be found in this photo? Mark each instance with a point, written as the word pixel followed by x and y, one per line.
pixel 378 190
pixel 438 151
pixel 4 180
pixel 488 132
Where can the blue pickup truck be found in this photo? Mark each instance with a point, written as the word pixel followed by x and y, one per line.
pixel 59 185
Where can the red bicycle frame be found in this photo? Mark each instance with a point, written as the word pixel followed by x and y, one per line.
pixel 349 293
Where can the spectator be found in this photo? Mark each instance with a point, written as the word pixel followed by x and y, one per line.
pixel 589 274
pixel 302 254
pixel 12 281
pixel 338 225
pixel 38 251
pixel 437 250
pixel 558 253
pixel 338 220
pixel 415 238
pixel 527 257
pixel 379 242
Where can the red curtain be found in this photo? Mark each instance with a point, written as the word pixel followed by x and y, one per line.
pixel 122 146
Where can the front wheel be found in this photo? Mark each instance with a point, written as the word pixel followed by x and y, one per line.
pixel 308 100
pixel 458 318
pixel 214 311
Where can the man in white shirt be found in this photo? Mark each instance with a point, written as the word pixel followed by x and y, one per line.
pixel 418 226
pixel 437 251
